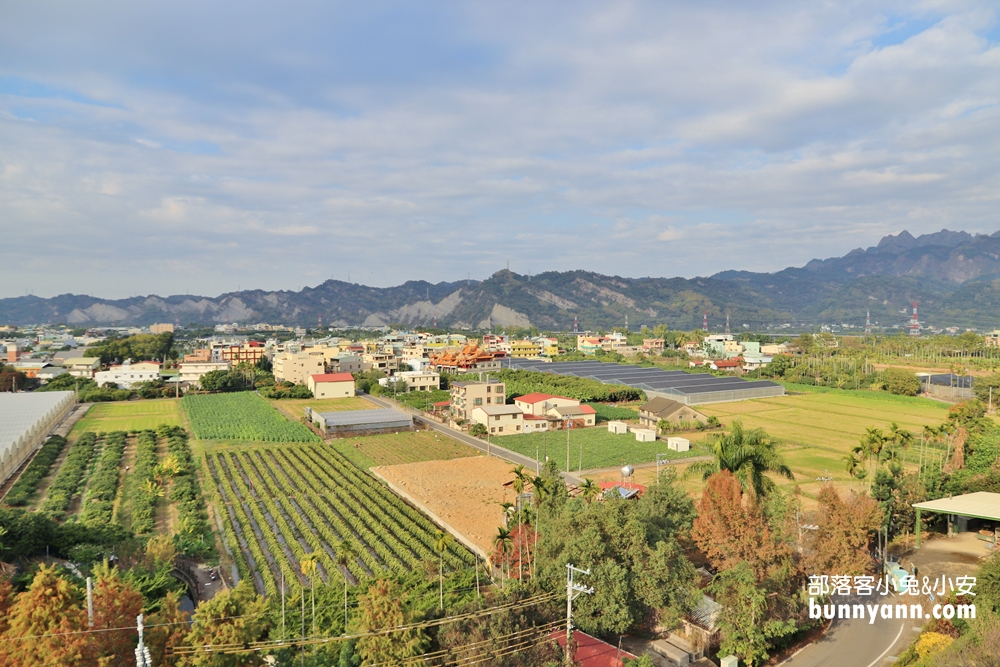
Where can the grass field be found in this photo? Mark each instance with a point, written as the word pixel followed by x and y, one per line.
pixel 396 448
pixel 601 449
pixel 129 416
pixel 241 416
pixel 295 407
pixel 835 420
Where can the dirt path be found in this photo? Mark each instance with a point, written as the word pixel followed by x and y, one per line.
pixel 126 464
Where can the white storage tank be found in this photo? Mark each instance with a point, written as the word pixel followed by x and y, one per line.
pixel 678 444
pixel 617 427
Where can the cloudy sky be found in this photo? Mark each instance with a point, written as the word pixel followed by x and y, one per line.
pixel 198 147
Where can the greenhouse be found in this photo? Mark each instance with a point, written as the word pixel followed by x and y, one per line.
pixel 25 420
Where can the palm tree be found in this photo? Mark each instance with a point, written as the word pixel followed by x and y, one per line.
pixel 343 556
pixel 589 491
pixel 871 446
pixel 851 465
pixel 748 455
pixel 441 541
pixel 308 566
pixel 503 543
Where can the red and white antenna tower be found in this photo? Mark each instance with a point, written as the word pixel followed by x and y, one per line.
pixel 868 323
pixel 727 322
pixel 435 321
pixel 576 325
pixel 704 322
pixel 914 322
pixel 626 321
pixel 319 322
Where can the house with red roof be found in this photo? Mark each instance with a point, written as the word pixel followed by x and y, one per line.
pixel 535 424
pixel 592 652
pixel 331 385
pixel 539 404
pixel 573 416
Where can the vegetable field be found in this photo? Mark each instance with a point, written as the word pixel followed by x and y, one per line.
pixel 241 416
pixel 281 503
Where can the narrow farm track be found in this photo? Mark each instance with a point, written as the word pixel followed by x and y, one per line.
pixel 241 541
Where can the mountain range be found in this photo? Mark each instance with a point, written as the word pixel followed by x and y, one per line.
pixel 954 276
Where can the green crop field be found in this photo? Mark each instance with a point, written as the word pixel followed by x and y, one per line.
pixel 129 416
pixel 834 420
pixel 283 502
pixel 295 407
pixel 601 449
pixel 408 447
pixel 241 416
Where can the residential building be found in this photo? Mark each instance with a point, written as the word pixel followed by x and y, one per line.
pixel 380 361
pixel 726 364
pixel 547 347
pixel 535 424
pixel 653 411
pixel 575 416
pixel 524 349
pixel 588 345
pixel 161 328
pixel 771 350
pixel 540 404
pixel 331 385
pixel 49 373
pixel 499 419
pixel 296 367
pixel 420 380
pixel 249 352
pixel 992 339
pixel 30 367
pixel 192 371
pixel 82 367
pixel 200 355
pixel 345 363
pixel 466 396
pixel 12 353
pixel 653 345
pixel 129 374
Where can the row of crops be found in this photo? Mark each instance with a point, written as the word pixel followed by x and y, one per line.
pixel 282 503
pixel 241 416
pixel 98 505
pixel 26 485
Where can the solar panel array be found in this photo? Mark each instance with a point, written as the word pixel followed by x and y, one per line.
pixel 689 388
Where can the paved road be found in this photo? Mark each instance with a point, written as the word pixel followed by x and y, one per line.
pixel 858 643
pixel 494 450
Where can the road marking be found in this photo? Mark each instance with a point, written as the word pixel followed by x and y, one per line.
pixel 889 648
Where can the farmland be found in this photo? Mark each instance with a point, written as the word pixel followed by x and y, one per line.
pixel 295 407
pixel 282 502
pixel 600 448
pixel 241 416
pixel 395 448
pixel 129 416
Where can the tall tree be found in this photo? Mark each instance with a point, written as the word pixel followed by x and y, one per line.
pixel 748 455
pixel 841 543
pixel 308 566
pixel 344 555
pixel 116 605
pixel 166 630
pixel 236 616
pixel 381 608
pixel 40 621
pixel 442 540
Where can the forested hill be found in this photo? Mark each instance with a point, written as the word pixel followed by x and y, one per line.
pixel 954 276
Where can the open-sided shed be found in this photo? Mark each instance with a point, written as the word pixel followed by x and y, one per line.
pixel 980 505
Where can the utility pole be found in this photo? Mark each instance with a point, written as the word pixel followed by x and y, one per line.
pixel 282 605
pixel 142 656
pixel 573 590
pixel 90 603
pixel 664 460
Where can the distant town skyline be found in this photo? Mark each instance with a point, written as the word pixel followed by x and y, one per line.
pixel 201 149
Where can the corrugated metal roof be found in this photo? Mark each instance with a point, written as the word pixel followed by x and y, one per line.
pixel 360 417
pixel 982 504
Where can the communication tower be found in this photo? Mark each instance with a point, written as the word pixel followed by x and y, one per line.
pixel 704 322
pixel 914 322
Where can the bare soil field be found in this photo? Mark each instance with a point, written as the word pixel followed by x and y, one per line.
pixel 462 494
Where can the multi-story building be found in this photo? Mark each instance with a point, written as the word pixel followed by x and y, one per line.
pixel 82 367
pixel 345 363
pixel 161 328
pixel 381 361
pixel 297 367
pixel 547 347
pixel 331 385
pixel 420 380
pixel 192 371
pixel 466 396
pixel 523 349
pixel 250 352
pixel 539 404
pixel 199 356
pixel 498 419
pixel 992 339
pixel 653 345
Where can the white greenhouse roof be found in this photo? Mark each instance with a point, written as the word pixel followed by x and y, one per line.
pixel 19 413
pixel 982 505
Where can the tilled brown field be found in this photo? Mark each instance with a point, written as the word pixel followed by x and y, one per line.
pixel 463 494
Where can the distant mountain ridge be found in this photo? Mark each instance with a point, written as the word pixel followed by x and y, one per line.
pixel 955 276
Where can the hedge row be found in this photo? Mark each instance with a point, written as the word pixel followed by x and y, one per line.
pixel 71 475
pixel 143 486
pixel 194 534
pixel 27 484
pixel 98 506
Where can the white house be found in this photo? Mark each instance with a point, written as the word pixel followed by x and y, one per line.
pixel 192 371
pixel 535 424
pixel 128 374
pixel 540 404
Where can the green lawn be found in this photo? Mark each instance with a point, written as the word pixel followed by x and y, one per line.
pixel 601 449
pixel 129 416
pixel 295 407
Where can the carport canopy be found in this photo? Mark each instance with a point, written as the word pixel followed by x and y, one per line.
pixel 979 505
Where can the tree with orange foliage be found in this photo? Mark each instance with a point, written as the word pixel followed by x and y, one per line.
pixel 166 630
pixel 116 605
pixel 841 544
pixel 731 529
pixel 40 622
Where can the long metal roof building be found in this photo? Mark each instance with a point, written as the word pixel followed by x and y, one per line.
pixel 688 388
pixel 25 420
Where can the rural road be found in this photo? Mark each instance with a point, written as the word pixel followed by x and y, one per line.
pixel 500 452
pixel 857 643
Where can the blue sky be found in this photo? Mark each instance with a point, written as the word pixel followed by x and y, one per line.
pixel 200 147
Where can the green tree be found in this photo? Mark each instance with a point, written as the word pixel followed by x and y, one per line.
pixel 42 622
pixel 308 566
pixel 442 540
pixel 236 616
pixel 901 382
pixel 745 623
pixel 478 430
pixel 344 555
pixel 381 608
pixel 748 455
